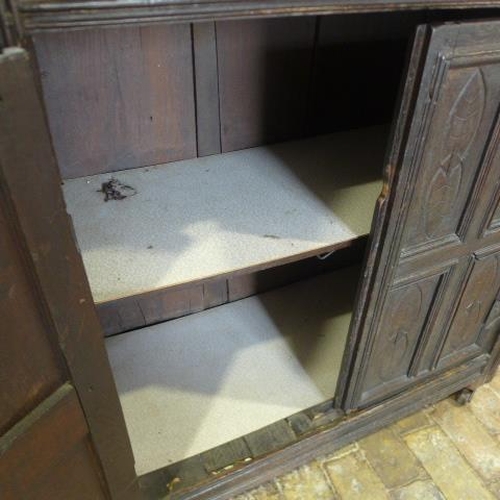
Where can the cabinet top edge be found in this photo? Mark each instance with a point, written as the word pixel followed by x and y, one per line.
pixel 41 15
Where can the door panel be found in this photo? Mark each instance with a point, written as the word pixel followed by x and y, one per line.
pixel 409 312
pixel 452 151
pixel 441 187
pixel 474 304
pixel 495 220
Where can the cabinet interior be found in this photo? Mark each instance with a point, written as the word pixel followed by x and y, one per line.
pixel 249 156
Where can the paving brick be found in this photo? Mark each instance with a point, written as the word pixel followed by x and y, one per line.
pixel 354 478
pixel 447 468
pixel 470 437
pixel 495 383
pixel 421 490
pixel 412 423
pixel 494 487
pixel 306 482
pixel 392 460
pixel 350 448
pixel 268 491
pixel 445 460
pixel 486 407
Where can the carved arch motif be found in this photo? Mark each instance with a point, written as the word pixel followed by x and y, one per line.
pixel 475 304
pixel 461 127
pixel 402 322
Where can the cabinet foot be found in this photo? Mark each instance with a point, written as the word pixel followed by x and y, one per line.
pixel 464 396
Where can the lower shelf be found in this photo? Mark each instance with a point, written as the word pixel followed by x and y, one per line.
pixel 191 384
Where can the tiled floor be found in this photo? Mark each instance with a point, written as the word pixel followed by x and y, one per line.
pixel 444 452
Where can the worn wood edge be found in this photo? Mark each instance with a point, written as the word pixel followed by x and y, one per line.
pixel 327 439
pixel 60 398
pixel 346 393
pixel 54 429
pixel 37 16
pixel 232 287
pixel 231 455
pixel 53 262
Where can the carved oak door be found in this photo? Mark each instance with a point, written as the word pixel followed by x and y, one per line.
pixel 429 300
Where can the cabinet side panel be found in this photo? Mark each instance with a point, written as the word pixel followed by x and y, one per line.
pixel 29 181
pixel 48 455
pixel 30 368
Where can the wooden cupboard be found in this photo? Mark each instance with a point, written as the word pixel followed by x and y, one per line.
pixel 207 162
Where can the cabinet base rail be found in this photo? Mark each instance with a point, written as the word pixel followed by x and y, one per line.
pixel 207 477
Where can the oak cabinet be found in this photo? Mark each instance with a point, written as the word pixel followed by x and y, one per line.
pixel 265 252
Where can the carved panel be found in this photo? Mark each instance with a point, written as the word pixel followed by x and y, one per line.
pixel 491 329
pixel 461 127
pixel 402 325
pixel 448 169
pixel 474 304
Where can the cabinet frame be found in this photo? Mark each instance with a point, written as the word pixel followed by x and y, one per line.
pixel 341 430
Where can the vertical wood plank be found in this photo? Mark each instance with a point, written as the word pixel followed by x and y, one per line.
pixel 118 98
pixel 264 74
pixel 206 88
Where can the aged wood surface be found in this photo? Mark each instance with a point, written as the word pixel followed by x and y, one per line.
pixel 30 365
pixel 40 15
pixel 206 77
pixel 48 454
pixel 118 98
pixel 30 185
pixel 264 72
pixel 129 97
pixel 434 288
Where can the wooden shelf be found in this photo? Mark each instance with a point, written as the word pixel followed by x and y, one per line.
pixel 261 360
pixel 246 210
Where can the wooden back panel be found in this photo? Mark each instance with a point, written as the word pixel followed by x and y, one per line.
pixel 118 98
pixel 127 97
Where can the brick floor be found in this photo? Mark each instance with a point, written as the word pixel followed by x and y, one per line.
pixel 445 451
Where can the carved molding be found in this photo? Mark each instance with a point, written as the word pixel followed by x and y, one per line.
pixel 40 15
pixel 474 304
pixel 402 320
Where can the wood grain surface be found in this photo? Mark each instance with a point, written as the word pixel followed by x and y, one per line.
pixel 118 98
